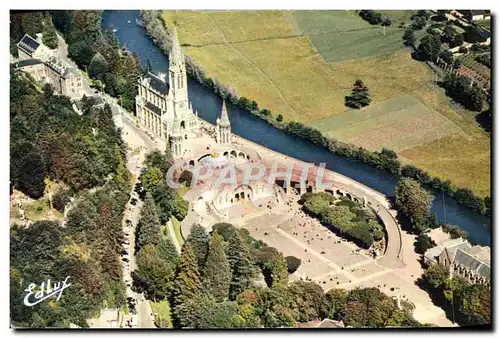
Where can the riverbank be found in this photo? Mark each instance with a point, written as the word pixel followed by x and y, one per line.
pixel 386 160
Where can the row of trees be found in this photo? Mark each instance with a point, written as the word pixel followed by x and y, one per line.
pixel 375 18
pixel 344 217
pixel 462 90
pixel 385 159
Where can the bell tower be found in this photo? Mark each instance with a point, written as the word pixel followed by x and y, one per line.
pixel 178 77
pixel 223 127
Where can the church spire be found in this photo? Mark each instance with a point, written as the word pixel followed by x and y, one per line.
pixel 224 119
pixel 176 56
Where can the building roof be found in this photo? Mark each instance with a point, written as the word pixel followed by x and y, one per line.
pixel 453 245
pixel 432 253
pixel 158 84
pixel 153 108
pixel 28 62
pixel 467 260
pixel 28 44
pixel 61 69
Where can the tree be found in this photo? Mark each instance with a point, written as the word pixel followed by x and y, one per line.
pixel 430 47
pixel 474 306
pixel 151 177
pixel 334 303
pixel 387 21
pixel 167 251
pixel 80 52
pixel 423 243
pixel 276 270
pixel 217 272
pixel 409 37
pixel 49 35
pixel 98 67
pixel 198 238
pixel 241 262
pixel 148 228
pixel 274 306
pixel 359 97
pixel 279 118
pixel 447 57
pixel 436 275
pixel 154 274
pixel 180 208
pixel 32 23
pixel 187 280
pixel 413 202
pixel 368 307
pixel 307 299
pixel 457 40
pixel 27 169
pixel 419 22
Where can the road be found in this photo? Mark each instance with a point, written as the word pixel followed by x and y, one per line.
pixel 139 143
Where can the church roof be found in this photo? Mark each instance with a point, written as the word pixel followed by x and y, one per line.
pixel 467 260
pixel 158 84
pixel 153 108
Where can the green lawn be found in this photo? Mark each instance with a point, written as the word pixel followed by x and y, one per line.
pixel 349 45
pixel 162 313
pixel 322 22
pixel 37 209
pixel 177 229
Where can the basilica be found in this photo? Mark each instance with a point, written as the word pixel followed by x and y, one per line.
pixel 163 107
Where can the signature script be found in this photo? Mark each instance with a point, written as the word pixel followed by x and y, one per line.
pixel 46 291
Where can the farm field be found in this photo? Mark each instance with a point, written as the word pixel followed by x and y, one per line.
pixel 303 63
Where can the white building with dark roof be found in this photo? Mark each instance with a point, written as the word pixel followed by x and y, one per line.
pixel 31 48
pixel 162 104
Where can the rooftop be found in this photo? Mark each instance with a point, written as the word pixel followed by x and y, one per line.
pixel 153 108
pixel 28 44
pixel 28 62
pixel 158 84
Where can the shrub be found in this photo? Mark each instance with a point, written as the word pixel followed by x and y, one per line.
pixel 61 199
pixel 293 263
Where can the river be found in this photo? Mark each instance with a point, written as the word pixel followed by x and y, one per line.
pixel 253 128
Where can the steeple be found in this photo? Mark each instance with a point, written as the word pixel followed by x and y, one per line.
pixel 224 119
pixel 176 56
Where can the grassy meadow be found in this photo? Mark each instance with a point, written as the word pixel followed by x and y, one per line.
pixel 303 63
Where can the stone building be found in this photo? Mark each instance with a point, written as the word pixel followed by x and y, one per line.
pixel 223 132
pixel 64 80
pixel 30 48
pixel 461 259
pixel 162 105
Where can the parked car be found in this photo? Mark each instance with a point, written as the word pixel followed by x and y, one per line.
pixel 125 259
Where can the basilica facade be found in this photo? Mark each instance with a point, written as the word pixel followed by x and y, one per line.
pixel 162 103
